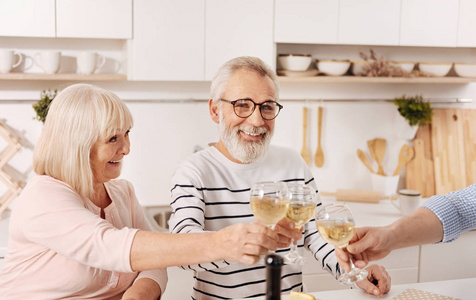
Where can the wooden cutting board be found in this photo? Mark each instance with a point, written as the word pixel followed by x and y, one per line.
pixel 448 147
pixel 419 171
pixel 424 133
pixel 469 132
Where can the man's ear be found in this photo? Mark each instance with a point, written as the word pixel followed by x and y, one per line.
pixel 213 107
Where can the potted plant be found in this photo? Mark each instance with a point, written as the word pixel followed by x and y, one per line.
pixel 41 107
pixel 412 112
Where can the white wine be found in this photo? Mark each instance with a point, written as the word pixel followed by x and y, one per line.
pixel 269 210
pixel 336 232
pixel 300 212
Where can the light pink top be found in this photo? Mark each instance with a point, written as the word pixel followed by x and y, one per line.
pixel 60 248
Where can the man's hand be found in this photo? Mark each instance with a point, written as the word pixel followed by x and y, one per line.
pixel 378 281
pixel 368 244
pixel 287 232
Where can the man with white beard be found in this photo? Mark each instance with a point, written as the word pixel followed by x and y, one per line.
pixel 211 188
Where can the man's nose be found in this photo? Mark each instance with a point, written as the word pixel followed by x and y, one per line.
pixel 256 119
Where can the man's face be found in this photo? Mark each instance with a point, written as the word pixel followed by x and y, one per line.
pixel 246 139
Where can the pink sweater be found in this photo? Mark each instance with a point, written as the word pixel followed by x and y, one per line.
pixel 59 247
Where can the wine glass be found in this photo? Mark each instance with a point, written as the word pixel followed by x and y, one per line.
pixel 302 205
pixel 336 225
pixel 269 202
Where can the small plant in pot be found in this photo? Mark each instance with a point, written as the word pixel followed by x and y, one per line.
pixel 414 111
pixel 41 107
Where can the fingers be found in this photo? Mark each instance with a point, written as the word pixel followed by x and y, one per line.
pixel 342 258
pixel 287 232
pixel 377 283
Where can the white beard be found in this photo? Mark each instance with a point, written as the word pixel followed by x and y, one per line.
pixel 244 151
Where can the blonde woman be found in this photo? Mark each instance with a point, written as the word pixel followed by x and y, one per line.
pixel 77 232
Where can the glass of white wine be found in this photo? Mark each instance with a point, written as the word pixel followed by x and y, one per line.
pixel 269 202
pixel 336 225
pixel 302 205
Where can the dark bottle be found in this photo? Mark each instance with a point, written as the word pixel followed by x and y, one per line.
pixel 273 263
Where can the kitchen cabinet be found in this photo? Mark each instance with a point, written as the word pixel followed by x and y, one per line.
pixel 454 260
pixel 429 23
pixel 306 21
pixel 370 22
pixel 467 24
pixel 168 44
pixel 27 18
pixel 107 19
pixel 236 28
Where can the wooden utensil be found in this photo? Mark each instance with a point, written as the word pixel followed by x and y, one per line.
pixel 419 171
pixel 363 158
pixel 406 154
pixel 370 144
pixel 305 151
pixel 319 156
pixel 356 196
pixel 380 147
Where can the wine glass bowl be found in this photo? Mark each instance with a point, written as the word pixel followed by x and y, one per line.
pixel 336 226
pixel 302 205
pixel 269 202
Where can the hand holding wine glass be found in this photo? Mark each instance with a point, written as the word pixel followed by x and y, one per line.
pixel 336 225
pixel 269 202
pixel 302 205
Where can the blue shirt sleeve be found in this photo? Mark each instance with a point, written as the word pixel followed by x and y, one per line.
pixel 456 211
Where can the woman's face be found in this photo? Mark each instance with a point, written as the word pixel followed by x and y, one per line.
pixel 106 156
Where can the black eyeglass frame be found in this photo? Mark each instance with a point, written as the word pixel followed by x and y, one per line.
pixel 254 107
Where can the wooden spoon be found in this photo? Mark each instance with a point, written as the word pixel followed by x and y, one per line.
pixel 406 154
pixel 319 156
pixel 363 158
pixel 370 144
pixel 305 151
pixel 380 147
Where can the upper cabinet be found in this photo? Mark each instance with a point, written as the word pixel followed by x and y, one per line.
pixel 27 18
pixel 306 21
pixel 236 28
pixel 429 23
pixel 371 22
pixel 107 19
pixel 467 24
pixel 169 40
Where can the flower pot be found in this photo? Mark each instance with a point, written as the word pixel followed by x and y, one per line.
pixel 403 130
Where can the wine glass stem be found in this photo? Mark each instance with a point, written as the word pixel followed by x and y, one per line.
pixel 352 267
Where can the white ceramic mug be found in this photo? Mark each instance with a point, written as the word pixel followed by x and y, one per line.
pixel 408 201
pixel 88 62
pixel 7 60
pixel 48 61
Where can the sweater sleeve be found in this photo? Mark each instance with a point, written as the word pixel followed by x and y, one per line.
pixel 55 217
pixel 188 210
pixel 158 275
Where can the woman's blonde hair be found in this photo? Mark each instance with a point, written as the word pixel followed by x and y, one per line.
pixel 78 116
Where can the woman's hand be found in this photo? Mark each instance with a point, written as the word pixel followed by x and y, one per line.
pixel 287 232
pixel 244 243
pixel 378 281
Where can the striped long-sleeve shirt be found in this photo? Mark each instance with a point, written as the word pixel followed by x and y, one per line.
pixel 210 192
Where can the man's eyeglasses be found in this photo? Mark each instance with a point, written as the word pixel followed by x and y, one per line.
pixel 244 108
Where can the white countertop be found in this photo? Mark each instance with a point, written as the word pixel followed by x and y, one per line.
pixel 456 289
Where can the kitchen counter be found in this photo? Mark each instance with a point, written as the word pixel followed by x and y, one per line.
pixel 457 289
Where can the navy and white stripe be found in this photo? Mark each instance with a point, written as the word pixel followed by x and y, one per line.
pixel 456 211
pixel 210 192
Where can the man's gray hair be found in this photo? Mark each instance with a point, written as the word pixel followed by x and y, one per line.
pixel 224 73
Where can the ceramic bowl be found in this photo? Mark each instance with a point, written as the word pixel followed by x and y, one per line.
pixel 406 66
pixel 357 67
pixel 294 62
pixel 436 69
pixel 333 67
pixel 465 70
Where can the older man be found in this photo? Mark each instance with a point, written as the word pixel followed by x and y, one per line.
pixel 211 188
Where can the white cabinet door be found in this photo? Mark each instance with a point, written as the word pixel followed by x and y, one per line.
pixel 369 22
pixel 306 21
pixel 94 19
pixel 429 23
pixel 169 40
pixel 454 260
pixel 27 18
pixel 236 28
pixel 467 23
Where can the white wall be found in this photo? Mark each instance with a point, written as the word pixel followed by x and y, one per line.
pixel 166 132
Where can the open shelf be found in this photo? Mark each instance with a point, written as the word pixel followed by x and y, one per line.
pixel 361 79
pixel 64 76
